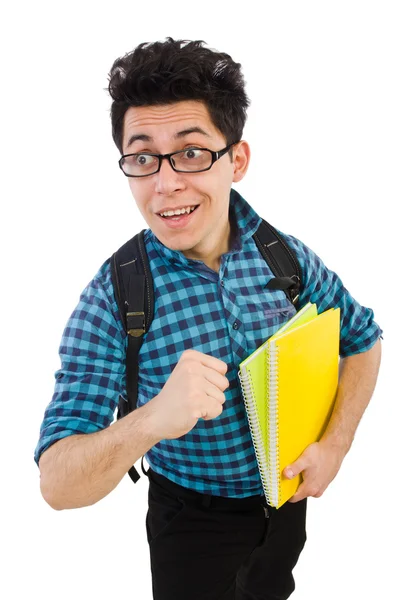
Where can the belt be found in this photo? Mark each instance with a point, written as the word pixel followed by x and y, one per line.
pixel 207 500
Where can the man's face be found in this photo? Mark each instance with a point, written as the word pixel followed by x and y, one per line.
pixel 197 234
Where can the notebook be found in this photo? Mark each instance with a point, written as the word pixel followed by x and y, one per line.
pixel 289 386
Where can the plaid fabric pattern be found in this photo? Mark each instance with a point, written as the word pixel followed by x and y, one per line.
pixel 226 314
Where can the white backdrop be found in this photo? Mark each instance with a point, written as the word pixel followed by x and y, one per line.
pixel 322 128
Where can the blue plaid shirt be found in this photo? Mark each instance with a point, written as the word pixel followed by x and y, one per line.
pixel 227 315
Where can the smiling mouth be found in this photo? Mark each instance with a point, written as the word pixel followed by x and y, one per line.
pixel 178 217
pixel 179 222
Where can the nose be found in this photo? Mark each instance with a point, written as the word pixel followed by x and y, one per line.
pixel 168 180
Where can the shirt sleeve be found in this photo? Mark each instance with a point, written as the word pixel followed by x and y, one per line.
pixel 92 373
pixel 320 285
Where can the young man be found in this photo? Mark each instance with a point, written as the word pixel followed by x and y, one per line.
pixel 178 114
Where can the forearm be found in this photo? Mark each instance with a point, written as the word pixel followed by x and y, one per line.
pixel 81 469
pixel 358 375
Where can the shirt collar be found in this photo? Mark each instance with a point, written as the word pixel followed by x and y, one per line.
pixel 244 218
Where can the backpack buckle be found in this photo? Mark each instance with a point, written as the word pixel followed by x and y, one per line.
pixel 295 290
pixel 295 299
pixel 136 323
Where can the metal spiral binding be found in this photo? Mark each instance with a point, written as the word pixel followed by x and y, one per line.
pixel 272 423
pixel 253 421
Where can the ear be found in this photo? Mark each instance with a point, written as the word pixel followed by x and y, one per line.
pixel 241 159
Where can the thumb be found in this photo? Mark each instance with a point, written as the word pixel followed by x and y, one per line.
pixel 296 467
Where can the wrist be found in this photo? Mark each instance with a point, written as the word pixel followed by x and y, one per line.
pixel 335 444
pixel 153 426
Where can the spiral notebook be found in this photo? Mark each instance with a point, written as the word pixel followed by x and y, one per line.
pixel 289 386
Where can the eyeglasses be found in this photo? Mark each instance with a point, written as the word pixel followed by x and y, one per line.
pixel 190 160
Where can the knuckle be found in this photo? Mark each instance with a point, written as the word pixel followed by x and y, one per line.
pixel 189 364
pixel 314 491
pixel 218 411
pixel 224 367
pixel 189 369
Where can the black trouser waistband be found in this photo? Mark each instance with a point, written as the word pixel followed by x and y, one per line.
pixel 207 500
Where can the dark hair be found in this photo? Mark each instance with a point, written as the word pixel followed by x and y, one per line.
pixel 161 73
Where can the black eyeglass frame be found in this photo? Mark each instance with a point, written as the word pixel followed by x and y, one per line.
pixel 215 156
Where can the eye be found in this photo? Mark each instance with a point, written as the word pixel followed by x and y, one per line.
pixel 144 159
pixel 192 153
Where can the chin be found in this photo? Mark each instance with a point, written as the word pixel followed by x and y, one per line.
pixel 175 244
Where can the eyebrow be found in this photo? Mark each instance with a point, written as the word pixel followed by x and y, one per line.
pixel 180 134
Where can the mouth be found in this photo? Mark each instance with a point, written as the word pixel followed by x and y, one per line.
pixel 177 221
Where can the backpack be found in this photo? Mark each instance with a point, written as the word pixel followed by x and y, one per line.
pixel 133 285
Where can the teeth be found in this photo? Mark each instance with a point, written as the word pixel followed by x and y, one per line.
pixel 181 211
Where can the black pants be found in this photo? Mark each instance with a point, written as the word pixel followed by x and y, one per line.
pixel 215 548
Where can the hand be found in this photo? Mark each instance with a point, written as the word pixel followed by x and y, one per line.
pixel 194 390
pixel 319 464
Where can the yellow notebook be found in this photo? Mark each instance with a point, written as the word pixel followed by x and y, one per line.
pixel 289 386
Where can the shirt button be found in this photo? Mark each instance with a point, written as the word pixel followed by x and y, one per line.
pixel 222 283
pixel 235 325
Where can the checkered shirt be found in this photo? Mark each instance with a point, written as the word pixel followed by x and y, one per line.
pixel 227 315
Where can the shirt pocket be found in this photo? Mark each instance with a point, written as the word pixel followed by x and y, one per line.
pixel 265 314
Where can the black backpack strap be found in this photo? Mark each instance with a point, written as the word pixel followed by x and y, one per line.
pixel 281 259
pixel 132 280
pixel 133 284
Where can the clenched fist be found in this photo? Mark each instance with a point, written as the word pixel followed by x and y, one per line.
pixel 194 390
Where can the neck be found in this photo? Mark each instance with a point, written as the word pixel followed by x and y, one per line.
pixel 211 256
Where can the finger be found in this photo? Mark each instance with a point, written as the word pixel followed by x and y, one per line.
pixel 209 361
pixel 216 378
pixel 296 498
pixel 214 392
pixel 212 409
pixel 296 467
pixel 300 494
pixel 215 363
